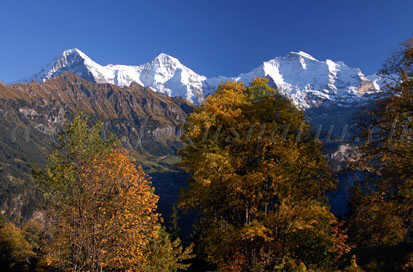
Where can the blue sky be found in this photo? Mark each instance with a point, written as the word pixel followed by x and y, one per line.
pixel 209 36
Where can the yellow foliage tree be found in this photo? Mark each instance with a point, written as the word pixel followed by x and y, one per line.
pixel 259 182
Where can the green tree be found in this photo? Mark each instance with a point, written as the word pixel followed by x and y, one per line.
pixel 382 201
pixel 166 254
pixel 258 181
pixel 173 224
pixel 35 234
pixel 15 252
pixel 101 207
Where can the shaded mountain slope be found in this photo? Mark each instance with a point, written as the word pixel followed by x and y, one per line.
pixel 148 123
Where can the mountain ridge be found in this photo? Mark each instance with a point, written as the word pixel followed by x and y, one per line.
pixel 146 122
pixel 308 82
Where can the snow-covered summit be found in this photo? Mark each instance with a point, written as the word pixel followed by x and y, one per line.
pixel 164 74
pixel 306 80
pixel 302 54
pixel 310 82
pixel 73 60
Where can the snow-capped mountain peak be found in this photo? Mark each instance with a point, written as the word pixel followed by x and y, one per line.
pixel 303 55
pixel 164 74
pixel 167 74
pixel 165 58
pixel 308 82
pixel 74 52
pixel 73 60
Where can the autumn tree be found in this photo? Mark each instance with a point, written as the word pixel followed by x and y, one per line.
pixel 259 182
pixel 21 248
pixel 382 206
pixel 101 207
pixel 16 253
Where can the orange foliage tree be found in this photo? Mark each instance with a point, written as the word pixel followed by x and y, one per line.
pixel 102 208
